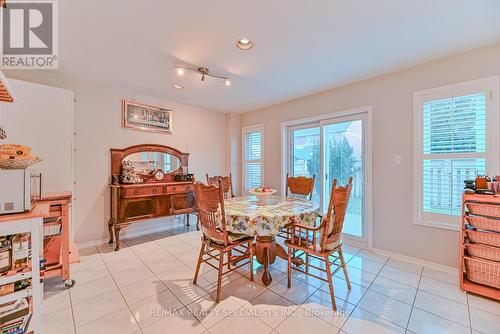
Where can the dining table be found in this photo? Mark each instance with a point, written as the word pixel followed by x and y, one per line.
pixel 264 217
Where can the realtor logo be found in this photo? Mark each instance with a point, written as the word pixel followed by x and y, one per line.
pixel 29 35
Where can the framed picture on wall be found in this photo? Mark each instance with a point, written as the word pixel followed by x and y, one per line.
pixel 145 117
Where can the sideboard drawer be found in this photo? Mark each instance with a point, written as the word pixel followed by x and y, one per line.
pixel 184 188
pixel 140 192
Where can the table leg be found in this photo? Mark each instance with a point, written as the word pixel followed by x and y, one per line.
pixel 266 249
pixel 265 252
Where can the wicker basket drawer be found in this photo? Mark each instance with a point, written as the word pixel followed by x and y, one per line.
pixel 483 271
pixel 486 238
pixel 483 223
pixel 481 209
pixel 483 251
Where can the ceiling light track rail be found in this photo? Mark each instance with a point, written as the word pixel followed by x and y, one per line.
pixel 203 72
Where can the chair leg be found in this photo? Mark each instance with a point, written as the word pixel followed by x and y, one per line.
pixel 344 267
pixel 330 282
pixel 219 276
pixel 289 268
pixel 250 249
pixel 229 254
pixel 200 259
pixel 307 263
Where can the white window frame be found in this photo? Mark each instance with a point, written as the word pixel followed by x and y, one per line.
pixel 244 131
pixel 490 86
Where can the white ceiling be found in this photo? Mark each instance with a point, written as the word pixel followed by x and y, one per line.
pixel 301 47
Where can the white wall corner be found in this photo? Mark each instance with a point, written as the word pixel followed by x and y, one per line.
pixel 233 150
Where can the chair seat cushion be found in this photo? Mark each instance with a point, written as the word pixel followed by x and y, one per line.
pixel 233 237
pixel 332 245
pixel 310 247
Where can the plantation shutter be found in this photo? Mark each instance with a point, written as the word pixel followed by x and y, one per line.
pixel 252 157
pixel 453 149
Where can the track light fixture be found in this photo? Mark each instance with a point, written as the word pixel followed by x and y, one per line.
pixel 203 71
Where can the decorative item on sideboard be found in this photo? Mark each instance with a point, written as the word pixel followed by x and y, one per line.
pixel 184 177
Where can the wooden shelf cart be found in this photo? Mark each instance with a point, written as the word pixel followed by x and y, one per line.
pixel 58 251
pixel 480 245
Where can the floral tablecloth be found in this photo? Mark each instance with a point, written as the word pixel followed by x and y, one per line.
pixel 264 216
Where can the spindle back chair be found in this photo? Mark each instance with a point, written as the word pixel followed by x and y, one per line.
pixel 216 241
pixel 323 241
pixel 297 187
pixel 227 184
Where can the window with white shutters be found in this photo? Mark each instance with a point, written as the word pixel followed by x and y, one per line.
pixel 454 144
pixel 253 141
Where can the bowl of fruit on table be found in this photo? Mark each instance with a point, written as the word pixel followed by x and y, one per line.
pixel 262 191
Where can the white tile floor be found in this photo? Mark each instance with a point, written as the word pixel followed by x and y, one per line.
pixel 132 291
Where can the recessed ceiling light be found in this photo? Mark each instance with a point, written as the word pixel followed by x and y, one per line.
pixel 244 44
pixel 180 71
pixel 178 87
pixel 227 82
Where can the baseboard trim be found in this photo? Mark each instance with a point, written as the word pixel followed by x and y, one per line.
pixel 355 243
pixel 93 243
pixel 135 231
pixel 425 263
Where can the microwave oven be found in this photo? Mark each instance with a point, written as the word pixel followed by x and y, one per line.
pixel 18 189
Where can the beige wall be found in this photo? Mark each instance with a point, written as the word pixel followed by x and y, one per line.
pixel 391 97
pixel 97 125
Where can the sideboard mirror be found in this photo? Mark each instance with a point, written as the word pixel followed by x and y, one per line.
pixel 146 159
pixel 146 162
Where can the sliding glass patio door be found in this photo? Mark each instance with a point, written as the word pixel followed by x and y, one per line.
pixel 333 149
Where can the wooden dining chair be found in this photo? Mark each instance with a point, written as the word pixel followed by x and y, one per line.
pixel 227 184
pixel 216 241
pixel 297 187
pixel 324 241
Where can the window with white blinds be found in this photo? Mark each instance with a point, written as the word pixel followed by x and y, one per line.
pixel 253 146
pixel 453 145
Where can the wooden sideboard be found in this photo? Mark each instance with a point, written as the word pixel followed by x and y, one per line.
pixel 132 203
